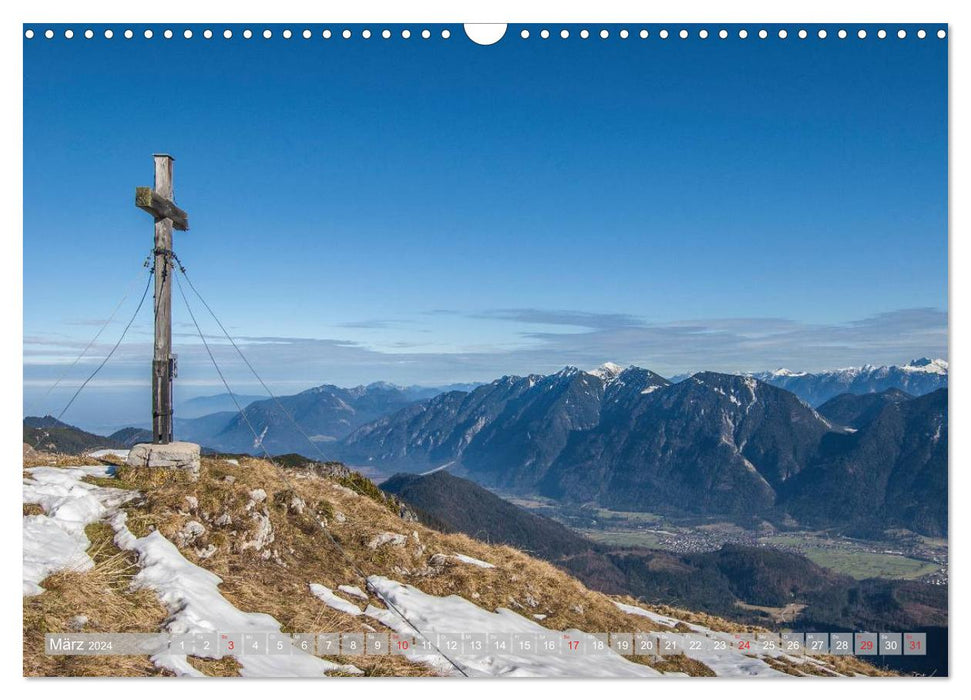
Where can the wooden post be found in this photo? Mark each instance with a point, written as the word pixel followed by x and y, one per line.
pixel 159 202
pixel 162 412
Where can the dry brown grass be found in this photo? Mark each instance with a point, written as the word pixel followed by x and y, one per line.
pixel 794 669
pixel 305 511
pixel 679 663
pixel 226 667
pixel 103 596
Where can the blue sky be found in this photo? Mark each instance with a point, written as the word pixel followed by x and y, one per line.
pixel 432 211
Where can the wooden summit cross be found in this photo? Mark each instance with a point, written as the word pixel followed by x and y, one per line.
pixel 159 203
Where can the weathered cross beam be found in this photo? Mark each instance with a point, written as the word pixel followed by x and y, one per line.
pixel 159 203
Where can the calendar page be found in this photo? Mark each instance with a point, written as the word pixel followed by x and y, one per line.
pixel 547 349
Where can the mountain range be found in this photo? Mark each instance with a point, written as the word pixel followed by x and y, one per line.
pixel 324 414
pixel 627 439
pixel 917 377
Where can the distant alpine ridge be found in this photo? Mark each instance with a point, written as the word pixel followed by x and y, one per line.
pixel 324 414
pixel 917 377
pixel 628 439
pixel 874 447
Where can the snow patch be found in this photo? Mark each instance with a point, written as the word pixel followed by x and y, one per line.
pixel 726 663
pixel 331 600
pixel 55 541
pixel 353 591
pixel 435 615
pixel 191 594
pixel 465 559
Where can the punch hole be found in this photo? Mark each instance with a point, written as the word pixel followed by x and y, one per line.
pixel 187 34
pixel 29 34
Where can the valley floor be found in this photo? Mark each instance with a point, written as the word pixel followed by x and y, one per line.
pixel 899 554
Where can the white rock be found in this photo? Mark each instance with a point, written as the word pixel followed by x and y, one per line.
pixel 382 539
pixel 174 455
pixel 263 536
pixel 207 552
pixel 190 531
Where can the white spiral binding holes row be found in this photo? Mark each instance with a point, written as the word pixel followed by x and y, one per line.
pixel 445 34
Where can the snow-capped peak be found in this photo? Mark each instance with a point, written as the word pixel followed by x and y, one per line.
pixel 927 365
pixel 607 371
pixel 784 372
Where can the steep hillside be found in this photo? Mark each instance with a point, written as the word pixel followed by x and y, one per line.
pixel 325 414
pixel 248 546
pixel 712 443
pixel 506 433
pixel 856 410
pixel 51 435
pixel 751 585
pixel 891 473
pixel 463 506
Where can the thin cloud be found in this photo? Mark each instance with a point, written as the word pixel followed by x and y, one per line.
pixel 732 345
